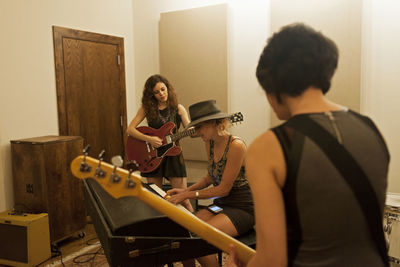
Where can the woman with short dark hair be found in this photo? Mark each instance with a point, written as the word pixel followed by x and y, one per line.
pixel 319 179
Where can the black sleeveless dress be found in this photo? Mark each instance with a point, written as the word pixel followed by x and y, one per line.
pixel 171 166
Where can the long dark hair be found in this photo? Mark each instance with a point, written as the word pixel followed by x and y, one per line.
pixel 149 101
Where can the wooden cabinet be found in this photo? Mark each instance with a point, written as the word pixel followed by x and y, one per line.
pixel 43 182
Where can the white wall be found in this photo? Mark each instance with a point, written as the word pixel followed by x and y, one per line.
pixel 380 76
pixel 28 103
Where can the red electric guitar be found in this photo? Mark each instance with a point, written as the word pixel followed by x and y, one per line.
pixel 146 157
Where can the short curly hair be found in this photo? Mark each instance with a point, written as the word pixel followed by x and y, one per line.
pixel 296 58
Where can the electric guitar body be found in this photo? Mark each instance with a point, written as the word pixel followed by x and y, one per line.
pixel 147 157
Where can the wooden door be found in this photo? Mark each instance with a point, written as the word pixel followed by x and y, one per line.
pixel 90 76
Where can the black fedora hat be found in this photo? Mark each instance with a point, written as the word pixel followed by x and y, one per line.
pixel 204 111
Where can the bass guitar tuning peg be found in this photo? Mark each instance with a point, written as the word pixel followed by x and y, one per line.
pixel 101 155
pixel 86 150
pixel 100 173
pixel 130 183
pixel 117 161
pixel 84 167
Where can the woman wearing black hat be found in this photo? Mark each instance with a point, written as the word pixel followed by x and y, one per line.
pixel 232 210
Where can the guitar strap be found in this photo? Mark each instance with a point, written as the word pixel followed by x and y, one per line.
pixel 352 173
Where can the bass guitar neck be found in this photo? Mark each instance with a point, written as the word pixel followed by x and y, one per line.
pixel 119 182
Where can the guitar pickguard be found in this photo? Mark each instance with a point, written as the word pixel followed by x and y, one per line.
pixel 162 150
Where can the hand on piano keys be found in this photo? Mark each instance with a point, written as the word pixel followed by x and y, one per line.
pixel 164 195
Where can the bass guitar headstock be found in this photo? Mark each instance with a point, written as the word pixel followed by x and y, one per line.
pixel 118 182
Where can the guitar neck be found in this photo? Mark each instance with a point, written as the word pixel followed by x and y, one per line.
pixel 235 118
pixel 182 134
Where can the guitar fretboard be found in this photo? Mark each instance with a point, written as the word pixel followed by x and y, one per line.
pixel 182 134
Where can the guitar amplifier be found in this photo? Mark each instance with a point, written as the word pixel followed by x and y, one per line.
pixel 25 238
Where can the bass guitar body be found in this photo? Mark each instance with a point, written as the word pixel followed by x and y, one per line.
pixel 146 157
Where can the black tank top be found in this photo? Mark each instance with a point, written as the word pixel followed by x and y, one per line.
pixel 325 224
pixel 164 116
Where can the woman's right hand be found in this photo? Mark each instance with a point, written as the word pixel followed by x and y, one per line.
pixel 155 141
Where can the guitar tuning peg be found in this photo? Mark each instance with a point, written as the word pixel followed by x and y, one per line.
pixel 84 167
pixel 101 155
pixel 86 150
pixel 117 161
pixel 129 182
pixel 100 173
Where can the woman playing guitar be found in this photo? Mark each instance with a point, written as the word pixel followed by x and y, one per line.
pixel 159 106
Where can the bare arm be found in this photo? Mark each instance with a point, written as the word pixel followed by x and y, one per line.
pixel 178 194
pixel 203 183
pixel 266 170
pixel 184 115
pixel 132 131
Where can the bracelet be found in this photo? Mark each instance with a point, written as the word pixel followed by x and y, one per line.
pixel 197 194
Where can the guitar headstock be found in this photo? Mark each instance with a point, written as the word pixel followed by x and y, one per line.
pixel 236 117
pixel 116 181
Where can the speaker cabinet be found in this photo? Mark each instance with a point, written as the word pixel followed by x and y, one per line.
pixel 43 182
pixel 25 239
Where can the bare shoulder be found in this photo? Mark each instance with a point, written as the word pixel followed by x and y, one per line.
pixel 265 155
pixel 238 144
pixel 183 114
pixel 263 141
pixel 181 109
